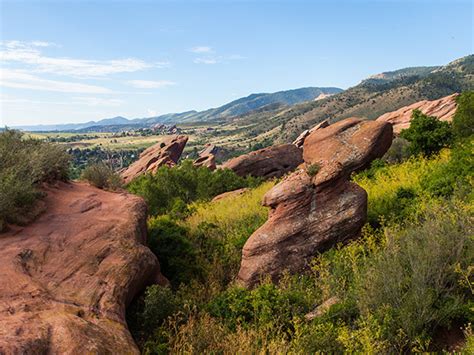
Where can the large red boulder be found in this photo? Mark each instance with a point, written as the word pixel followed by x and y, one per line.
pixel 317 206
pixel 166 152
pixel 268 162
pixel 67 278
pixel 443 108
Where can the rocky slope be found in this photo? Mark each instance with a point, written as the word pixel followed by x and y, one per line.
pixel 164 153
pixel 317 206
pixel 444 109
pixel 67 278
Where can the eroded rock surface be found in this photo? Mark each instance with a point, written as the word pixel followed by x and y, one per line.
pixel 300 140
pixel 443 108
pixel 310 214
pixel 67 278
pixel 268 162
pixel 207 157
pixel 167 152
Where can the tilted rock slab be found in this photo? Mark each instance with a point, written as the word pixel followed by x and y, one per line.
pixel 443 108
pixel 310 214
pixel 299 141
pixel 207 157
pixel 167 153
pixel 274 161
pixel 66 279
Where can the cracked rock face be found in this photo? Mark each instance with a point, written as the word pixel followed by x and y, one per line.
pixel 310 214
pixel 443 108
pixel 268 162
pixel 207 157
pixel 164 153
pixel 67 278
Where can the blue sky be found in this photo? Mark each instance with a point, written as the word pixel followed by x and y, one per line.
pixel 75 61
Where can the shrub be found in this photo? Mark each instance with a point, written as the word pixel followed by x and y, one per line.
pixel 414 279
pixel 312 169
pixel 102 176
pixel 25 163
pixel 452 175
pixel 463 120
pixel 427 135
pixel 175 251
pixel 184 184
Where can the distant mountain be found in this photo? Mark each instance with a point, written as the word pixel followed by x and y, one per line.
pixel 237 107
pixel 371 98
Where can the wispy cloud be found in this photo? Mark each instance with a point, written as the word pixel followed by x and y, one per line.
pixel 150 84
pixel 206 60
pixel 202 49
pixel 29 53
pixel 97 101
pixel 21 80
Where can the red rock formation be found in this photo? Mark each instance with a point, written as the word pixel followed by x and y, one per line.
pixel 443 108
pixel 268 162
pixel 207 157
pixel 67 277
pixel 227 194
pixel 300 140
pixel 310 214
pixel 164 153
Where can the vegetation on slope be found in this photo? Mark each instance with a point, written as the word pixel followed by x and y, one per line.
pixel 398 287
pixel 25 163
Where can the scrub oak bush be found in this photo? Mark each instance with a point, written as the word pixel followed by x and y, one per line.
pixel 25 163
pixel 102 176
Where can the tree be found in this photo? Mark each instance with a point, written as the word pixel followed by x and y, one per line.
pixel 463 120
pixel 427 134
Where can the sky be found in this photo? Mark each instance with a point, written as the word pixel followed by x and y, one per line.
pixel 75 61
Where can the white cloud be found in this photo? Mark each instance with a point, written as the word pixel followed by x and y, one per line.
pixel 202 49
pixel 206 60
pixel 150 84
pixel 151 113
pixel 22 80
pixel 30 54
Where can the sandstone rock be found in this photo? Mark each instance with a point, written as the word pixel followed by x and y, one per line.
pixel 443 108
pixel 310 214
pixel 207 157
pixel 268 162
pixel 167 152
pixel 300 140
pixel 67 278
pixel 227 194
pixel 346 146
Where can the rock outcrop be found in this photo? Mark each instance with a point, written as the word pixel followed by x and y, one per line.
pixel 167 152
pixel 67 278
pixel 443 108
pixel 317 206
pixel 268 162
pixel 207 157
pixel 300 140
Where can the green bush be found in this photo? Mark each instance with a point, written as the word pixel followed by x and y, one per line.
pixel 102 176
pixel 427 135
pixel 463 120
pixel 175 251
pixel 25 163
pixel 170 188
pixel 313 169
pixel 414 281
pixel 455 174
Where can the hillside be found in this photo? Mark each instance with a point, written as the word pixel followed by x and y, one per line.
pixel 237 107
pixel 369 99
